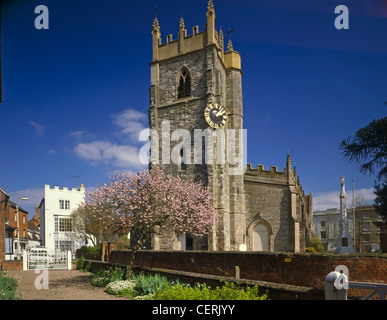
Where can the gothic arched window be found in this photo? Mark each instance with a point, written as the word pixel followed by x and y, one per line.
pixel 184 84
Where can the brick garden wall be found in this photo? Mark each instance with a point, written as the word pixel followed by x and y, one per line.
pixel 86 254
pixel 307 270
pixel 106 248
pixel 12 265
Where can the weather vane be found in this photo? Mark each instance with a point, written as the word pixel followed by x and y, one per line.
pixel 229 33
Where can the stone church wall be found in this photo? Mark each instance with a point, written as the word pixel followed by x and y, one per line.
pixel 267 199
pixel 269 203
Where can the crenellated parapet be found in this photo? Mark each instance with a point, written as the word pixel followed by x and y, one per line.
pixel 198 40
pixel 260 169
pixel 64 189
pixel 288 175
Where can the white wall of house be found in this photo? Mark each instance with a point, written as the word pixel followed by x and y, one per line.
pixel 55 212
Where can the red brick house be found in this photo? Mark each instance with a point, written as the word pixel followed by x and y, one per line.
pixel 11 224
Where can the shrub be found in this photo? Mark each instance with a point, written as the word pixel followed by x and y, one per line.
pixel 82 266
pixel 87 268
pixel 229 291
pixel 103 277
pixel 8 286
pixel 81 263
pixel 183 292
pixel 316 244
pixel 149 284
pixel 94 251
pixel 121 288
pixel 149 296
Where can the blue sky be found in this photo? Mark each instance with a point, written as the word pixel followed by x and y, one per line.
pixel 75 95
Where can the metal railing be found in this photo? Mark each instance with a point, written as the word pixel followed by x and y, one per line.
pixel 337 285
pixel 50 260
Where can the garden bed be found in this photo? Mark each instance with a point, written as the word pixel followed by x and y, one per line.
pixel 63 285
pixel 142 286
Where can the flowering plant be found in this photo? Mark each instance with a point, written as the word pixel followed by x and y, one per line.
pixel 121 288
pixel 103 277
pixel 144 202
pixel 8 286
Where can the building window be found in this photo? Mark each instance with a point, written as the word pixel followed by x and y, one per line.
pixel 63 245
pixel 184 84
pixel 366 226
pixel 322 224
pixel 8 245
pixel 323 235
pixel 366 215
pixel 24 219
pixel 63 224
pixel 64 204
pixel 8 242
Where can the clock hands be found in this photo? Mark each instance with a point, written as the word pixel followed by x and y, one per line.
pixel 221 112
pixel 216 115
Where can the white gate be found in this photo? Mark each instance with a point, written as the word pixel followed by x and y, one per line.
pixel 50 260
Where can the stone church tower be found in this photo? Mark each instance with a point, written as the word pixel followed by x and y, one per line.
pixel 196 93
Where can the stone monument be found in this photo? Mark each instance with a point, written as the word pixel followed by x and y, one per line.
pixel 344 240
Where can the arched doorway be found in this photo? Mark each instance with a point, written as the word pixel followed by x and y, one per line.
pixel 260 235
pixel 261 238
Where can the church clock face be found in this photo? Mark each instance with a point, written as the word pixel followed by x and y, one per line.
pixel 216 115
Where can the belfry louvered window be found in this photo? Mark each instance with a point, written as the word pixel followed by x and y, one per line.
pixel 184 85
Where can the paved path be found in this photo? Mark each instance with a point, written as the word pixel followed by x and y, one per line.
pixel 62 285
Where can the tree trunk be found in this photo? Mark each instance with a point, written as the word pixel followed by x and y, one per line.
pixel 129 265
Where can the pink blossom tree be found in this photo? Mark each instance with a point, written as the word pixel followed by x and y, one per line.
pixel 142 202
